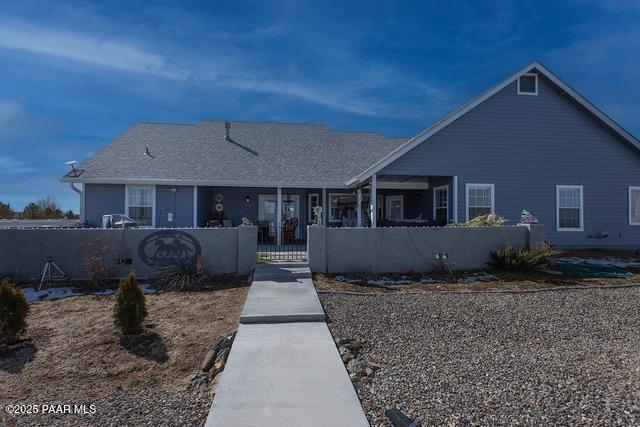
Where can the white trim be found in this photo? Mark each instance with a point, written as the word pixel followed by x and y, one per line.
pixel 475 185
pixel 572 187
pixel 195 206
pixel 631 221
pixel 279 215
pixel 359 207
pixel 454 206
pixel 310 208
pixel 207 183
pixel 455 115
pixel 435 190
pixel 324 206
pixel 528 75
pixel 387 204
pixel 153 201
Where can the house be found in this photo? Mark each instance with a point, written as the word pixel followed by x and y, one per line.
pixel 531 142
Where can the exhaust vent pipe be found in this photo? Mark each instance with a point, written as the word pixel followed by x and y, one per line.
pixel 227 134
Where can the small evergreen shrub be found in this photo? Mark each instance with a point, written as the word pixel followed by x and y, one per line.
pixel 488 220
pixel 14 308
pixel 520 259
pixel 130 310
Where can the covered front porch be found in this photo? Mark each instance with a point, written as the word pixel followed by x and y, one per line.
pixel 282 213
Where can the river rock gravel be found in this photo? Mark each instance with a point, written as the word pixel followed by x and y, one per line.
pixel 567 357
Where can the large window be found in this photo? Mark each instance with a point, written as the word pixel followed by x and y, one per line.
pixel 634 205
pixel 140 203
pixel 569 213
pixel 341 206
pixel 441 204
pixel 395 207
pixel 479 200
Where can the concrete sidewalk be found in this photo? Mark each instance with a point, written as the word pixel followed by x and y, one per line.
pixel 282 293
pixel 284 368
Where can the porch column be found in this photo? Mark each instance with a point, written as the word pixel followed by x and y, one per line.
pixel 323 220
pixel 279 216
pixel 373 201
pixel 195 206
pixel 454 205
pixel 359 207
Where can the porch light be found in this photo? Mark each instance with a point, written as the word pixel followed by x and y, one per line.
pixel 247 199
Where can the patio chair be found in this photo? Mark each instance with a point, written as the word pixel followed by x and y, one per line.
pixel 289 231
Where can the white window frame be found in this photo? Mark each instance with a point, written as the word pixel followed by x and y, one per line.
pixel 631 190
pixel 528 75
pixel 329 208
pixel 467 187
pixel 310 207
pixel 387 206
pixel 435 191
pixel 569 187
pixel 127 187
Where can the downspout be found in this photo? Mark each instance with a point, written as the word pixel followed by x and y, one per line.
pixel 81 193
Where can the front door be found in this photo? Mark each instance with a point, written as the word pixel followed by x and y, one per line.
pixel 268 209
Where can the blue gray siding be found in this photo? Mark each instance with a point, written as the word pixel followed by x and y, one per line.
pixel 525 146
pixel 178 203
pixel 102 199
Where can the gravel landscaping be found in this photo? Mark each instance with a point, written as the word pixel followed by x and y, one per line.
pixel 569 357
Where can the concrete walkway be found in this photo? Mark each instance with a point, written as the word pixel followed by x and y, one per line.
pixel 284 368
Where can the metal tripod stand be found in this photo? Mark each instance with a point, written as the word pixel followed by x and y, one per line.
pixel 51 272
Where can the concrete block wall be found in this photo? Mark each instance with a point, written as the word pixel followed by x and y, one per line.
pixel 409 249
pixel 23 252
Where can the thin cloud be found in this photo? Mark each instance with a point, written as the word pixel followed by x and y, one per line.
pixel 354 91
pixel 10 166
pixel 84 48
pixel 8 111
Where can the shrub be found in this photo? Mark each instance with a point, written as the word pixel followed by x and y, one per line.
pixel 520 259
pixel 179 277
pixel 129 311
pixel 95 262
pixel 488 220
pixel 14 308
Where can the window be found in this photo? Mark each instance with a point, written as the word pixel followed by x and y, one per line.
pixel 634 205
pixel 314 200
pixel 141 205
pixel 569 214
pixel 341 206
pixel 441 205
pixel 528 84
pixel 395 207
pixel 479 200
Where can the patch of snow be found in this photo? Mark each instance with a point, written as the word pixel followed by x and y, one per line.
pixel 604 262
pixel 385 281
pixel 477 277
pixel 52 294
pixel 346 279
pixel 427 280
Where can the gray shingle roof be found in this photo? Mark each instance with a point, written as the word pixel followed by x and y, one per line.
pixel 276 153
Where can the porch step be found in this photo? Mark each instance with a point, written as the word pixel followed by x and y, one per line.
pixel 282 293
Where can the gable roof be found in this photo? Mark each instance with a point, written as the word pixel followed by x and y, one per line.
pixel 456 114
pixel 258 154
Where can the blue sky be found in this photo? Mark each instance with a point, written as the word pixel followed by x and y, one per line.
pixel 74 75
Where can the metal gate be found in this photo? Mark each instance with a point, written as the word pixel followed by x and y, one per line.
pixel 291 247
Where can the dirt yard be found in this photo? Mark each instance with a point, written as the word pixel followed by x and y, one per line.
pixel 73 355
